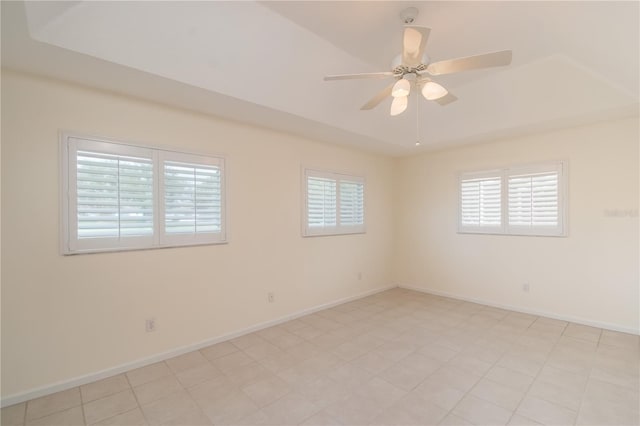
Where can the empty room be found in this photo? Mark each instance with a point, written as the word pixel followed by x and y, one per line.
pixel 320 213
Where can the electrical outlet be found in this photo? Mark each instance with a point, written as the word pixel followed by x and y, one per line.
pixel 525 287
pixel 150 325
pixel 271 296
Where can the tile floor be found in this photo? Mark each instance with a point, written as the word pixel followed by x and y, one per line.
pixel 395 358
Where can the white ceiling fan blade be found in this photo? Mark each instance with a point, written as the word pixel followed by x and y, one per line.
pixel 361 75
pixel 446 99
pixel 414 41
pixel 379 97
pixel 486 60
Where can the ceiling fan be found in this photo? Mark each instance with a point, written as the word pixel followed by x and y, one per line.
pixel 413 69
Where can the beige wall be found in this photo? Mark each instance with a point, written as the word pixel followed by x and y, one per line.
pixel 63 317
pixel 591 276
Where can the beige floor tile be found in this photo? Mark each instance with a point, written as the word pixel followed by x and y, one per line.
pixel 355 410
pixel 109 406
pixel 287 340
pixel 395 351
pixel 271 332
pixel 410 372
pixel 437 352
pixel 453 420
pixel 321 419
pixel 243 342
pixel 70 417
pixel 247 374
pixel 193 376
pixel 545 412
pixel 277 363
pixel 380 391
pixel 622 377
pixel 218 350
pixel 210 391
pixel 583 332
pixel 529 365
pixel 299 375
pixel 324 392
pixel 455 378
pixel 262 350
pixel 169 408
pixel 130 418
pixel 500 395
pixel 13 415
pixel 102 388
pixel 233 360
pixel 308 332
pixel 605 391
pixel 622 340
pixel 349 351
pixel 303 351
pixel 231 408
pixel 470 363
pixel 479 411
pixel 264 392
pixel 53 403
pixel 255 419
pixel 439 393
pixel 518 420
pixel 157 389
pixel 372 362
pixel 410 410
pixel 291 409
pixel 349 375
pixel 193 417
pixel 607 412
pixel 556 394
pixel 565 379
pixel 149 373
pixel 186 361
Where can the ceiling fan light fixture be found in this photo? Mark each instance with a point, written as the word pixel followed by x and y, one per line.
pixel 401 88
pixel 399 105
pixel 432 91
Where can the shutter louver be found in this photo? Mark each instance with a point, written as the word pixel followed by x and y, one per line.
pixel 114 195
pixel 321 202
pixel 192 198
pixel 480 202
pixel 533 200
pixel 351 203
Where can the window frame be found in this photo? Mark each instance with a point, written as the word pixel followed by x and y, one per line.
pixel 70 244
pixel 338 229
pixel 561 230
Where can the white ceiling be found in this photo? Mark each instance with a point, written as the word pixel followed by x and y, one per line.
pixel 263 62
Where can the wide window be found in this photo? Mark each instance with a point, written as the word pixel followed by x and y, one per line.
pixel 117 197
pixel 333 203
pixel 529 200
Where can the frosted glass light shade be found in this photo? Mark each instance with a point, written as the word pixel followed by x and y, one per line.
pixel 432 91
pixel 398 105
pixel 401 88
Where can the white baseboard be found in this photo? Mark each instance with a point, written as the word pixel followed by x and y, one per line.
pixel 584 321
pixel 99 375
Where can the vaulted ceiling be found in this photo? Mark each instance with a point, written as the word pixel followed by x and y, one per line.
pixel 264 62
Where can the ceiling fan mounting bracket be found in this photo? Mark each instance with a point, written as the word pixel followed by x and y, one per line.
pixel 409 14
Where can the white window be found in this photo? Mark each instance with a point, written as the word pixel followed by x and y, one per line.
pixel 527 200
pixel 117 197
pixel 333 203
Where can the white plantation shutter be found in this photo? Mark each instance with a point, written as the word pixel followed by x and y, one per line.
pixel 535 200
pixel 334 203
pixel 528 200
pixel 119 197
pixel 112 196
pixel 351 203
pixel 321 202
pixel 192 199
pixel 481 202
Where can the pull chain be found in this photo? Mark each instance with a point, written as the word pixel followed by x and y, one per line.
pixel 417 120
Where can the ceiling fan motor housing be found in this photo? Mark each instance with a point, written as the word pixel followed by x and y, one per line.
pixel 399 68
